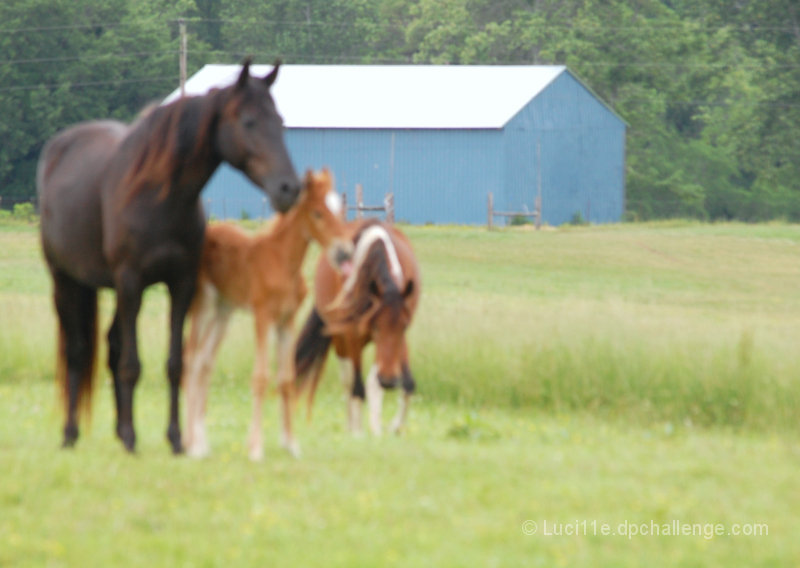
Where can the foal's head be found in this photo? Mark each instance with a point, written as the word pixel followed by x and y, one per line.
pixel 319 211
pixel 250 137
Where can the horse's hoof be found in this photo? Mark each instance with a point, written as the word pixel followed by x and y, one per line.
pixel 174 437
pixel 128 438
pixel 70 437
pixel 293 448
pixel 396 428
pixel 197 452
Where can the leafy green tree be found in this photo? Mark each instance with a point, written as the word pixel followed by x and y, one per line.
pixel 710 89
pixel 65 62
pixel 299 31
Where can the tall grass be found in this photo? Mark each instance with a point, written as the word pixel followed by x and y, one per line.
pixel 557 374
pixel 693 324
pixel 677 323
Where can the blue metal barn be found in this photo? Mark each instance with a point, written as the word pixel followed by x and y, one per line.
pixel 441 138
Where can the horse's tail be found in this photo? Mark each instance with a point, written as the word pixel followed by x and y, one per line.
pixel 84 350
pixel 309 356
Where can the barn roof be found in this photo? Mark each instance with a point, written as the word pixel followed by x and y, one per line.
pixel 392 96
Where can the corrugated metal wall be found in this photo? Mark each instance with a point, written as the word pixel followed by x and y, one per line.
pixel 435 175
pixel 581 156
pixel 444 176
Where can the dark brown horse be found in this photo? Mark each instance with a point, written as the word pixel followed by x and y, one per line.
pixel 374 303
pixel 120 209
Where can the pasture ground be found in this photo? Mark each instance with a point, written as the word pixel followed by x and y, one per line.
pixel 587 385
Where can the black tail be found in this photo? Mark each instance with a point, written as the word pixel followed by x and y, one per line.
pixel 77 345
pixel 309 356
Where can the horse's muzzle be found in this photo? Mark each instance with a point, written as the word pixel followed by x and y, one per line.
pixel 389 383
pixel 282 192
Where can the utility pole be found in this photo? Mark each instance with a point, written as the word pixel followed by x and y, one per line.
pixel 182 63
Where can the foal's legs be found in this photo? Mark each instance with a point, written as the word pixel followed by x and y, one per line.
pixel 200 316
pixel 76 306
pixel 260 379
pixel 284 379
pixel 204 344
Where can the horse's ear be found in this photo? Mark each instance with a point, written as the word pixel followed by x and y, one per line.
pixel 269 79
pixel 409 289
pixel 308 182
pixel 245 73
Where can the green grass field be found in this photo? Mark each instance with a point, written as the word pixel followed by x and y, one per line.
pixel 591 386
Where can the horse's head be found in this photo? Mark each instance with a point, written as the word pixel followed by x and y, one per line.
pixel 250 137
pixel 376 301
pixel 388 325
pixel 319 208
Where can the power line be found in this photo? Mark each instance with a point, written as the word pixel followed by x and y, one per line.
pixel 360 58
pixel 39 29
pixel 87 57
pixel 83 84
pixel 646 26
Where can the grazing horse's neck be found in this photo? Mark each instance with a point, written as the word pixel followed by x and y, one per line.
pixel 375 254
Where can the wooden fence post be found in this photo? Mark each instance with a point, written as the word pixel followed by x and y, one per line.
pixel 491 211
pixel 388 205
pixel 359 200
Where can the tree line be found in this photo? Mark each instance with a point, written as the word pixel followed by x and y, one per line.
pixel 710 89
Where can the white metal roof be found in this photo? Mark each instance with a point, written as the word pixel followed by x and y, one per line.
pixel 390 96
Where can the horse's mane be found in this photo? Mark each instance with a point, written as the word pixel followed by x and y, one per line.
pixel 372 279
pixel 161 139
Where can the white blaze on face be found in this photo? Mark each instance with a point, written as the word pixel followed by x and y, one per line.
pixel 368 238
pixel 334 202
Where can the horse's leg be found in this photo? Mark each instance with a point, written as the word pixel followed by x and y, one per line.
pixel 260 379
pixel 350 373
pixel 114 353
pixel 129 301
pixel 284 379
pixel 405 399
pixel 181 292
pixel 346 372
pixel 76 307
pixel 374 401
pixel 199 373
pixel 190 376
pixel 200 314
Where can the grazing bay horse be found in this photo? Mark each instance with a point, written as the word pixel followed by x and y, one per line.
pixel 120 208
pixel 375 302
pixel 260 273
